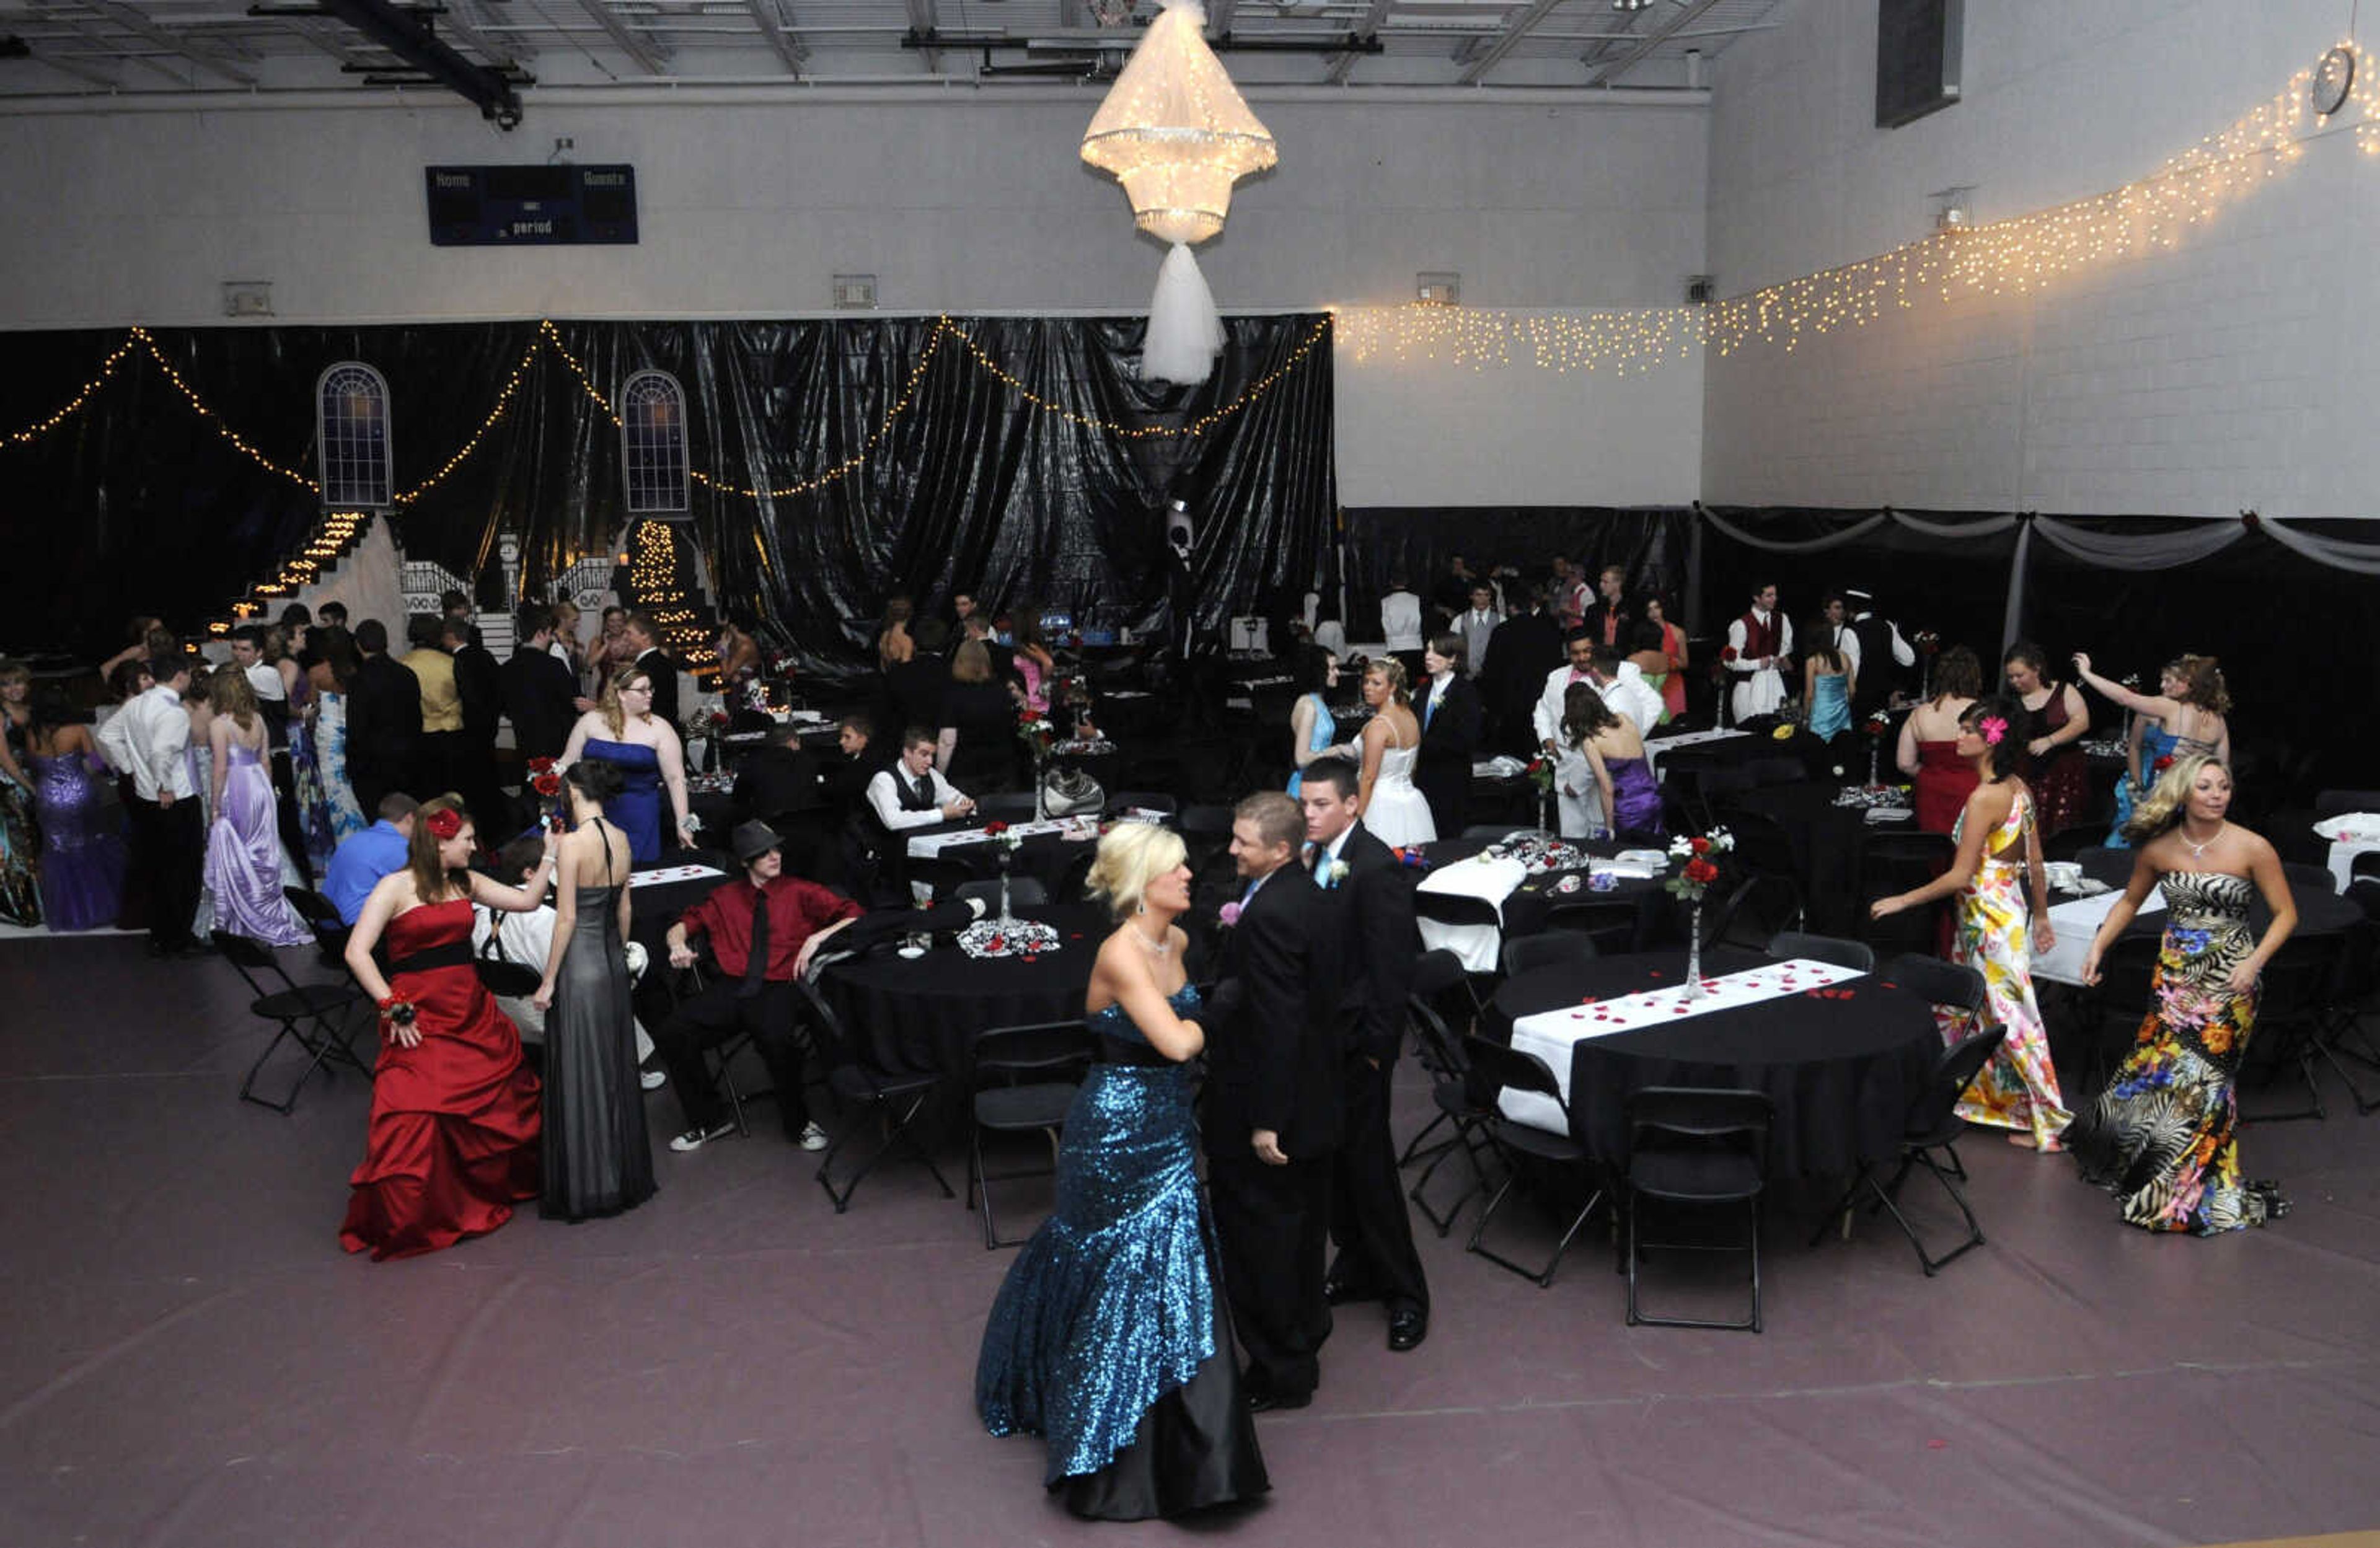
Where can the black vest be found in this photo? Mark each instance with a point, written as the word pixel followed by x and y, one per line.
pixel 1879 674
pixel 905 785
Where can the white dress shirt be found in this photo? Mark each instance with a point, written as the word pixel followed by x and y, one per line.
pixel 1758 690
pixel 884 799
pixel 1548 716
pixel 1401 621
pixel 1630 696
pixel 146 739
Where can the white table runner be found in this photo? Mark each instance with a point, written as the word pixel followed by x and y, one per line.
pixel 1550 1034
pixel 2075 922
pixel 928 845
pixel 1491 880
pixel 664 874
pixel 2351 834
pixel 1654 748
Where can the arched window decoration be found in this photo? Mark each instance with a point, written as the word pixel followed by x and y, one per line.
pixel 652 444
pixel 351 437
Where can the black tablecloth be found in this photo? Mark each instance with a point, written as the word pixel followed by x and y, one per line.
pixel 923 1013
pixel 2320 912
pixel 1045 856
pixel 1843 1071
pixel 1529 905
pixel 653 908
pixel 1828 841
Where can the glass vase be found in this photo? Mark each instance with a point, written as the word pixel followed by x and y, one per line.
pixel 1695 990
pixel 1545 814
pixel 1041 790
pixel 1006 856
pixel 1875 751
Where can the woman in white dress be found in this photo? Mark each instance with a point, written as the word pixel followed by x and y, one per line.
pixel 1393 807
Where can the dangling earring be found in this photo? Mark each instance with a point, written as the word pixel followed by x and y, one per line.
pixel 1141 907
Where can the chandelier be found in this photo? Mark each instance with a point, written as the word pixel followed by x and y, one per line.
pixel 1174 131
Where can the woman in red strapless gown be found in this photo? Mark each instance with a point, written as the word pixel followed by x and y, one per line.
pixel 1929 739
pixel 454 1137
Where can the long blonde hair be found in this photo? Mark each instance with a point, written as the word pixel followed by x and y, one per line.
pixel 614 716
pixel 1132 854
pixel 229 691
pixel 2165 805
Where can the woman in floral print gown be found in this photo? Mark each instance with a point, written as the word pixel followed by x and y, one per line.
pixel 1999 864
pixel 2162 1136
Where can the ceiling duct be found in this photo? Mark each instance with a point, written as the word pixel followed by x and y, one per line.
pixel 411 39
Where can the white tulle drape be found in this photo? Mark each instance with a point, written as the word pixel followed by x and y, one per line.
pixel 1185 330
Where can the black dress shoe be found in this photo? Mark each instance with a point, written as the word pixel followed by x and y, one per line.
pixel 1339 1292
pixel 1407 1328
pixel 1261 1401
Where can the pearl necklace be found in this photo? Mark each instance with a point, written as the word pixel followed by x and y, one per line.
pixel 2198 851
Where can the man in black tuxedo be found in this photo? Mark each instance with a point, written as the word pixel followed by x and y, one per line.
pixel 1448 709
pixel 776 778
pixel 1525 646
pixel 478 683
pixel 644 637
pixel 914 689
pixel 539 692
pixel 1272 1117
pixel 383 719
pixel 1378 944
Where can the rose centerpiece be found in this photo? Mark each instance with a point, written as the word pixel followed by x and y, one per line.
pixel 1006 841
pixel 1541 774
pixel 1038 734
pixel 1697 869
pixel 1879 726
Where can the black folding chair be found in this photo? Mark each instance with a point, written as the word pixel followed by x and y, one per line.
pixel 1796 945
pixel 318 1017
pixel 2294 1004
pixel 1764 849
pixel 1452 1092
pixel 1612 925
pixel 1528 954
pixel 861 1087
pixel 1890 864
pixel 1498 1069
pixel 321 916
pixel 1699 1147
pixel 1933 1125
pixel 1007 805
pixel 2068 842
pixel 1026 1077
pixel 2115 1005
pixel 1751 915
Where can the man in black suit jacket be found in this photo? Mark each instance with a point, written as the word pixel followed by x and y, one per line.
pixel 643 636
pixel 776 778
pixel 383 720
pixel 915 689
pixel 1524 647
pixel 1378 944
pixel 478 683
pixel 1451 724
pixel 539 692
pixel 1274 1051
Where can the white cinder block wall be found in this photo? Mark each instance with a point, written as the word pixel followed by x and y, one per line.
pixel 960 203
pixel 2236 372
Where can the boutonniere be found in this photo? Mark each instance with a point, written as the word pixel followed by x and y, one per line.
pixel 1338 872
pixel 1228 915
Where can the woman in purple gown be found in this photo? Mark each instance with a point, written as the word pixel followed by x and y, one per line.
pixel 1607 760
pixel 244 854
pixel 82 836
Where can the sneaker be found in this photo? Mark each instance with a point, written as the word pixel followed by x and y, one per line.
pixel 813 1137
pixel 695 1139
pixel 653 1079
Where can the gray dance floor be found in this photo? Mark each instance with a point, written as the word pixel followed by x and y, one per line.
pixel 191 1359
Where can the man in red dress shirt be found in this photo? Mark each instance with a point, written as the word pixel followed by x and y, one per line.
pixel 762 931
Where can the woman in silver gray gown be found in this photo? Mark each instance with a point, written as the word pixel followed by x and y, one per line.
pixel 598 1157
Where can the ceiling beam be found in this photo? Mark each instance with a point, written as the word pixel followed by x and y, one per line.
pixel 651 60
pixel 407 35
pixel 75 67
pixel 139 26
pixel 1507 40
pixel 457 23
pixel 923 21
pixel 1689 11
pixel 781 39
pixel 1366 30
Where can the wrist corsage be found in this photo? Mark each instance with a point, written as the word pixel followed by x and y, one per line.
pixel 395 1011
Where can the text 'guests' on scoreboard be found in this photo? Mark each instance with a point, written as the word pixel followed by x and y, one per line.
pixel 530 206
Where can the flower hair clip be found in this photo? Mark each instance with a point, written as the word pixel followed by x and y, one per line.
pixel 1994 729
pixel 445 825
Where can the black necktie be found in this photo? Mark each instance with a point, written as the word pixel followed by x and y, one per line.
pixel 926 790
pixel 756 969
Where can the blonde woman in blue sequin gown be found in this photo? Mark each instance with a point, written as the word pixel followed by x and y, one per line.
pixel 2162 1137
pixel 1111 1338
pixel 1998 862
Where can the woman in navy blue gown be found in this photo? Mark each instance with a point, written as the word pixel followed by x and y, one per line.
pixel 1111 1338
pixel 622 731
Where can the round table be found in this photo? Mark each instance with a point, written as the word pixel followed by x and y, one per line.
pixel 1531 904
pixel 1842 1070
pixel 1046 857
pixel 1827 842
pixel 922 1013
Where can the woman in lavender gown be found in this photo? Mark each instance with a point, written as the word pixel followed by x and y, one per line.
pixel 1605 779
pixel 82 838
pixel 244 874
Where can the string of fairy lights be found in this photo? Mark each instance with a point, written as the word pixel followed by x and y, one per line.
pixel 2017 255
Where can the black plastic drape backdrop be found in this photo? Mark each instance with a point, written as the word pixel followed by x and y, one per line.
pixel 2275 619
pixel 137 503
pixel 1420 543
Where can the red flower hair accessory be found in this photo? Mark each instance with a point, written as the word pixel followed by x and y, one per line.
pixel 1993 728
pixel 445 825
pixel 2162 764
